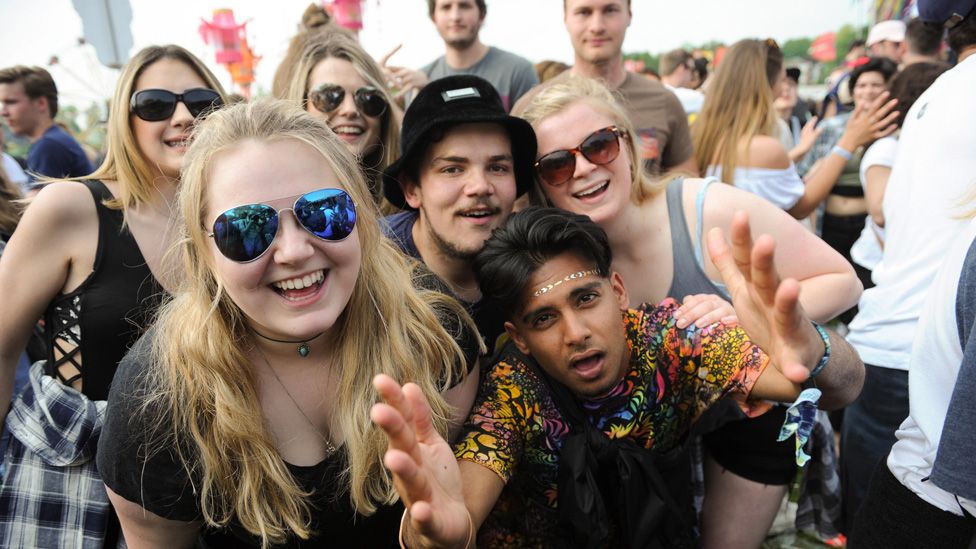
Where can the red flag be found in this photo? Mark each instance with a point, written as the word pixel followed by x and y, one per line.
pixel 824 48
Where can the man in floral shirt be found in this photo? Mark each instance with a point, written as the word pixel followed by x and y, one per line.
pixel 635 375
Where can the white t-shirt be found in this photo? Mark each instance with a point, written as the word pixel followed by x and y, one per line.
pixel 866 251
pixel 691 100
pixel 936 356
pixel 784 188
pixel 15 172
pixel 932 174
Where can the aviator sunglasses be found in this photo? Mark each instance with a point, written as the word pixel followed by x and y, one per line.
pixel 155 105
pixel 600 147
pixel 328 97
pixel 244 233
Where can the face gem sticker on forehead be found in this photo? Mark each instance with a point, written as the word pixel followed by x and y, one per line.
pixel 572 276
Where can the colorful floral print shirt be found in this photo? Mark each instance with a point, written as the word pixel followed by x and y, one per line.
pixel 516 430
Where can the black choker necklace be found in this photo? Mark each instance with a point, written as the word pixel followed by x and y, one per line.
pixel 303 349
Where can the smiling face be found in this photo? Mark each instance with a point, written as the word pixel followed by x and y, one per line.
pixel 301 285
pixel 596 28
pixel 359 132
pixel 467 189
pixel 600 192
pixel 574 330
pixel 868 87
pixel 458 22
pixel 163 143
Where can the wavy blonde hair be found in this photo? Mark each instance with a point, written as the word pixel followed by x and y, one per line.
pixel 341 45
pixel 553 98
pixel 208 396
pixel 124 162
pixel 738 107
pixel 10 203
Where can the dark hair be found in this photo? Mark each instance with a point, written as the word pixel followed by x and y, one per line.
pixel 907 86
pixel 412 163
pixel 774 61
pixel 856 43
pixel 701 67
pixel 963 35
pixel 532 237
pixel 37 82
pixel 923 38
pixel 672 60
pixel 882 65
pixel 482 8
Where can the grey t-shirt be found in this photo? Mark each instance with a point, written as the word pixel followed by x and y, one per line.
pixel 511 75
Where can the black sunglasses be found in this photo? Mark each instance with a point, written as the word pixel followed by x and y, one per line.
pixel 155 105
pixel 328 97
pixel 244 233
pixel 600 147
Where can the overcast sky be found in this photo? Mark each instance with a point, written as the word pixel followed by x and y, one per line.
pixel 35 30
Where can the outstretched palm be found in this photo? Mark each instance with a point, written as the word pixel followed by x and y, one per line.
pixel 768 308
pixel 425 472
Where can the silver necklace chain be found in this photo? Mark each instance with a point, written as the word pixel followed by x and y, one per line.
pixel 329 446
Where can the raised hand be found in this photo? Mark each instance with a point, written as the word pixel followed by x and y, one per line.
pixel 702 310
pixel 767 308
pixel 401 80
pixel 425 472
pixel 870 122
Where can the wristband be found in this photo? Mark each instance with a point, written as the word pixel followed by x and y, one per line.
pixel 826 356
pixel 842 152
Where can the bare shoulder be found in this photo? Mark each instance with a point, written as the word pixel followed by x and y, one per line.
pixel 66 201
pixel 766 152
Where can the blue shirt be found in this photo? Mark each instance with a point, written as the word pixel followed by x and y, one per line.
pixel 57 155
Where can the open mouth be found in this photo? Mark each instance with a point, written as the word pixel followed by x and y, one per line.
pixel 589 366
pixel 479 214
pixel 348 131
pixel 593 192
pixel 301 287
pixel 180 142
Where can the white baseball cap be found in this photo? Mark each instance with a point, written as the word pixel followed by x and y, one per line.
pixel 893 31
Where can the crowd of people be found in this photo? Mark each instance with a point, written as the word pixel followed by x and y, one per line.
pixel 486 303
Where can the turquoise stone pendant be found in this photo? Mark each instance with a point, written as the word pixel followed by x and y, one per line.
pixel 303 349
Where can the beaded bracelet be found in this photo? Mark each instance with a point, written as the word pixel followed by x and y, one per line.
pixel 826 356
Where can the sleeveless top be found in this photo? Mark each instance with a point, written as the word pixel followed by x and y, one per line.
pixel 689 276
pixel 92 327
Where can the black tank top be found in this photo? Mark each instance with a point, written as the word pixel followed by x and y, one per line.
pixel 93 326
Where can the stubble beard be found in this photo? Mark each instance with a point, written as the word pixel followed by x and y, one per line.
pixel 450 249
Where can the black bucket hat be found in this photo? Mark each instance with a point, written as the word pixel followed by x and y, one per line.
pixel 450 101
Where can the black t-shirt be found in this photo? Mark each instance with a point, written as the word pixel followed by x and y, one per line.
pixel 487 315
pixel 158 481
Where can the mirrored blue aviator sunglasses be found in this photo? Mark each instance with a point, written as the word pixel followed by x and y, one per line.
pixel 244 233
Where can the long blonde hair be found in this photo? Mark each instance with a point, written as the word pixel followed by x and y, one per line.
pixel 124 162
pixel 555 97
pixel 208 395
pixel 341 45
pixel 10 204
pixel 738 107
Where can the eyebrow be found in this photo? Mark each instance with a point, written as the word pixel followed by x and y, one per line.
pixel 466 160
pixel 590 286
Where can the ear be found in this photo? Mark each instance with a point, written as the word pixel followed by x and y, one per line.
pixel 517 338
pixel 411 192
pixel 42 105
pixel 619 291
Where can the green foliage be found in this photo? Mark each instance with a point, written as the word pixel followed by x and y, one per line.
pixel 797 47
